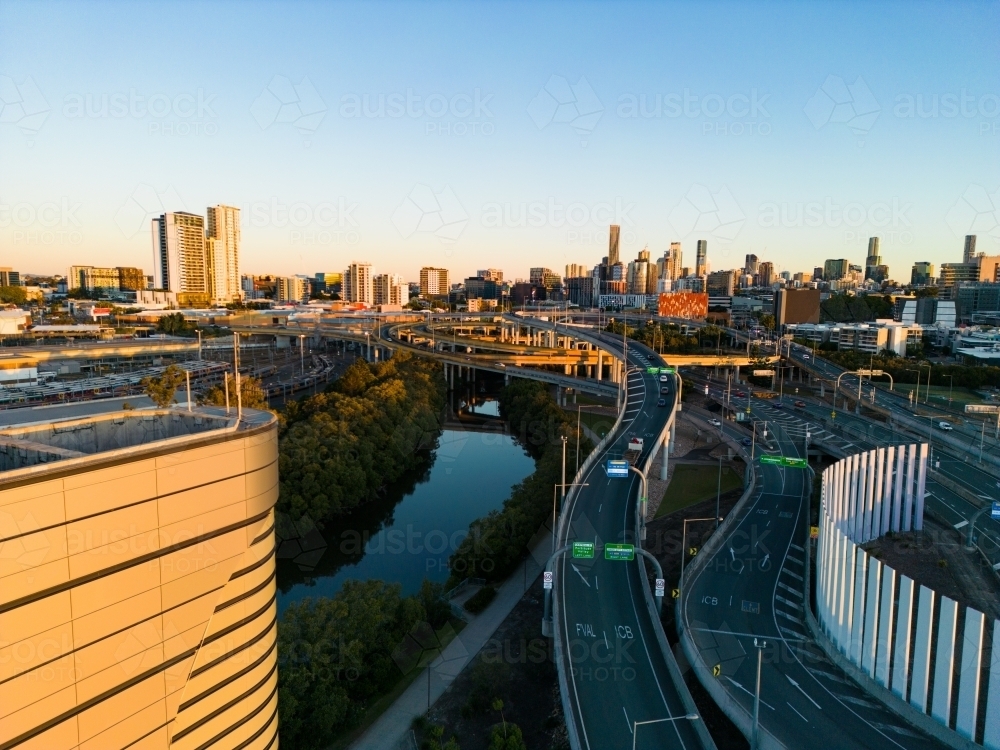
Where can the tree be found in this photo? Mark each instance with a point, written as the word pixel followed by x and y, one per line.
pixel 13 295
pixel 506 737
pixel 173 324
pixel 161 389
pixel 252 393
pixel 767 321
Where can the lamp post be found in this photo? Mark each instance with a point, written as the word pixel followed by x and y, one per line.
pixel 637 724
pixel 951 383
pixel 755 743
pixel 680 582
pixel 718 493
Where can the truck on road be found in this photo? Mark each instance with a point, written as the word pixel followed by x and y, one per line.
pixel 634 450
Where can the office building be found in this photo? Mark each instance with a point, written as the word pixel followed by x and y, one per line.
pixel 922 273
pixel 358 284
pixel 873 260
pixel 796 306
pixel 969 249
pixel 580 290
pixel 222 253
pixel 9 277
pixel 390 289
pixel 545 277
pixel 479 287
pixel 721 283
pixel 614 235
pixel 179 257
pixel 977 300
pixel 328 282
pixel 493 274
pixel 982 268
pixel 137 604
pixel 636 276
pixel 701 258
pixel 750 264
pixel 834 270
pixel 575 270
pixel 292 289
pixel 817 273
pixel 672 262
pixel 765 273
pixel 927 311
pixel 434 282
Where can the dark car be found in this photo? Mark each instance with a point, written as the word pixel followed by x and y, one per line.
pixel 741 394
pixel 777 405
pixel 746 441
pixel 661 402
pixel 800 404
pixel 664 389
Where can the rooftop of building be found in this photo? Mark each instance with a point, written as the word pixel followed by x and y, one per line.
pixel 46 439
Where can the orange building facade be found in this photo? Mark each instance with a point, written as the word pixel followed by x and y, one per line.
pixel 137 581
pixel 687 305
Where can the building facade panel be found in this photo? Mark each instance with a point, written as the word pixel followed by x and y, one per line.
pixel 146 585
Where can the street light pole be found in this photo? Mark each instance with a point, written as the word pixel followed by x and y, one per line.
pixel 718 494
pixel 755 743
pixel 637 724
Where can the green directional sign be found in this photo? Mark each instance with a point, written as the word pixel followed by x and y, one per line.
pixel 653 370
pixel 791 463
pixel 615 551
pixel 667 370
pixel 583 550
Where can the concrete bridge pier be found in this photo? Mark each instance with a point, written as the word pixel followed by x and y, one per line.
pixel 666 454
pixel 670 439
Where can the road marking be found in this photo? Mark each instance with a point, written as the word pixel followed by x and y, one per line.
pixel 793 575
pixel 960 524
pixel 606 640
pixel 582 577
pixel 790 603
pixel 763 702
pixel 766 558
pixel 602 504
pixel 627 720
pixel 595 584
pixel 793 545
pixel 803 692
pixel 799 715
pixel 786 587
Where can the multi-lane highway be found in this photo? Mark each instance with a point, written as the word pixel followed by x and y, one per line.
pixel 618 680
pixel 753 586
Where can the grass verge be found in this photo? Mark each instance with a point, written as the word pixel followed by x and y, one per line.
pixel 692 484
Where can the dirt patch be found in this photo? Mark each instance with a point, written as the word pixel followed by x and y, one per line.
pixel 937 558
pixel 663 539
pixel 516 665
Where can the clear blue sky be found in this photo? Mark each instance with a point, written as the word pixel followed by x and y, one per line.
pixel 558 84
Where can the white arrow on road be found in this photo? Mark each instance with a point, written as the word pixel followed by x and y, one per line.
pixel 582 577
pixel 764 561
pixel 797 685
pixel 732 554
pixel 748 692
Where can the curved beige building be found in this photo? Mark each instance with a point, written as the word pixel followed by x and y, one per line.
pixel 137 579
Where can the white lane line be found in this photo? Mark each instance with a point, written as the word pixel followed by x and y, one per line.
pixel 960 524
pixel 596 587
pixel 582 577
pixel 602 504
pixel 797 713
pixel 627 720
pixel 763 702
pixel 797 685
pixel 606 640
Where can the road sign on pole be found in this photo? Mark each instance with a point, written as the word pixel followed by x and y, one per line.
pixel 995 510
pixel 763 373
pixel 661 586
pixel 614 551
pixel 617 468
pixel 547 579
pixel 583 550
pixel 787 461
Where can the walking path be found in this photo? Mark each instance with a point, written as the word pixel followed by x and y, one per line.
pixel 391 729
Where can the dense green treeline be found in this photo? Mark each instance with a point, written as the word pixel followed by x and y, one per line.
pixel 336 656
pixel 497 542
pixel 375 422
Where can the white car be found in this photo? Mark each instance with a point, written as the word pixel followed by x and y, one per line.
pixel 664 379
pixel 715 423
pixel 805 356
pixel 946 426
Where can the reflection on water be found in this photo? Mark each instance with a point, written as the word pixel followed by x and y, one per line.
pixel 487 408
pixel 408 534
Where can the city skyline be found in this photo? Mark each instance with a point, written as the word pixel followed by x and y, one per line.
pixel 348 153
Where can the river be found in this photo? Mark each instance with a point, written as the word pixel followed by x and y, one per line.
pixel 408 534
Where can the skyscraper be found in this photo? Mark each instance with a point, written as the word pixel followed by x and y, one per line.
pixel 969 252
pixel 674 260
pixel 701 258
pixel 222 250
pixel 613 238
pixel 922 273
pixel 765 273
pixel 357 285
pixel 874 260
pixel 179 256
pixel 834 270
pixel 750 265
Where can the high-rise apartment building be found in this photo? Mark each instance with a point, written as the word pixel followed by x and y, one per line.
pixel 358 284
pixel 137 581
pixel 721 283
pixel 673 262
pixel 491 274
pixel 179 256
pixel 969 250
pixel 434 282
pixel 576 270
pixel 765 273
pixel 636 276
pixel 834 270
pixel 390 289
pixel 222 254
pixel 701 258
pixel 292 289
pixel 922 273
pixel 614 237
pixel 750 264
pixel 94 279
pixel 873 261
pixel 9 277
